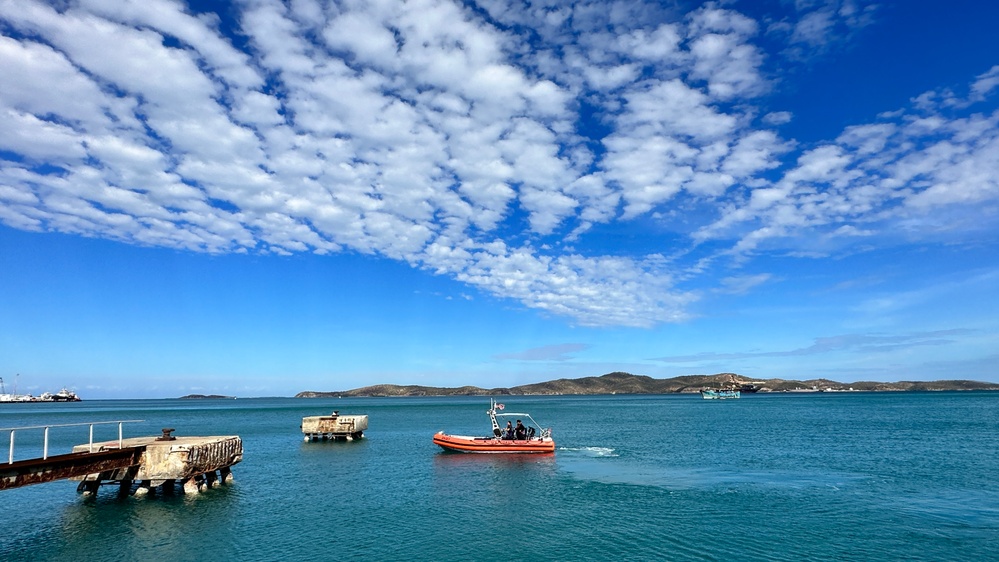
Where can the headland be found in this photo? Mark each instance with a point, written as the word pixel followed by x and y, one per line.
pixel 627 383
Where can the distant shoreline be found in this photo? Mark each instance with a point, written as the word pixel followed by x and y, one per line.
pixel 351 394
pixel 626 383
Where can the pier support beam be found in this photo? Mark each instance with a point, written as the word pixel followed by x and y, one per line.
pixel 89 487
pixel 191 486
pixel 125 482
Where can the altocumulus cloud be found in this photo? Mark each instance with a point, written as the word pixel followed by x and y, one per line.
pixel 481 142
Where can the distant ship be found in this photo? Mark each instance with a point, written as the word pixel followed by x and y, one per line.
pixel 64 395
pixel 723 394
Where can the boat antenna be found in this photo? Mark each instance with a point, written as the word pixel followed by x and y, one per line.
pixel 492 417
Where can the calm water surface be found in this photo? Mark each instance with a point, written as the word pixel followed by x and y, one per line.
pixel 849 476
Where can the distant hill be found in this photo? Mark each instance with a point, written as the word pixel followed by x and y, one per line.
pixel 206 397
pixel 626 383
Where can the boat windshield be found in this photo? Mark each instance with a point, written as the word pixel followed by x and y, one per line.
pixel 519 416
pixel 495 411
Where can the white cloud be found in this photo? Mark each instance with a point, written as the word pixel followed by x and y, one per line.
pixel 201 34
pixel 820 25
pixel 424 132
pixel 744 283
pixel 777 118
pixel 658 45
pixel 867 139
pixel 722 56
pixel 905 177
pixel 985 83
pixel 814 27
pixel 31 69
pixel 40 140
pixel 753 153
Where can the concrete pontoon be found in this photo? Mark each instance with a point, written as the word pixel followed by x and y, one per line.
pixel 195 462
pixel 334 426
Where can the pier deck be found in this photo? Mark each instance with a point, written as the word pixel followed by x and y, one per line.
pixel 148 462
pixel 194 461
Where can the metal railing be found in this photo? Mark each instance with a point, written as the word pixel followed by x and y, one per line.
pixel 45 445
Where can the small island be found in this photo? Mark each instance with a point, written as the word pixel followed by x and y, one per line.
pixel 626 383
pixel 206 397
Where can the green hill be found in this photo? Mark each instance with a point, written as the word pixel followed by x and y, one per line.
pixel 626 383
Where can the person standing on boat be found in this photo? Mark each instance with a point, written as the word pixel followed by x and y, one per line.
pixel 508 434
pixel 520 432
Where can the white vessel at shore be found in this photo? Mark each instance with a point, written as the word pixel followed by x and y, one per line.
pixel 64 395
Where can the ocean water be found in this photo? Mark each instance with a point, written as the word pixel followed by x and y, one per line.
pixel 844 476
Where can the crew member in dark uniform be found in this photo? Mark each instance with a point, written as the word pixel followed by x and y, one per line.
pixel 520 432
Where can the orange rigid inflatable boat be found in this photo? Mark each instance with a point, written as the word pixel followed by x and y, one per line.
pixel 523 439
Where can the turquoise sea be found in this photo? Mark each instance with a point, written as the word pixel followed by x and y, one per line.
pixel 841 476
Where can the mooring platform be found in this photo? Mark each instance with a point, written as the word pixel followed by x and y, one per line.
pixel 196 462
pixel 334 426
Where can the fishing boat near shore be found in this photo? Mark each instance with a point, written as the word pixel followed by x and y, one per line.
pixel 530 438
pixel 723 394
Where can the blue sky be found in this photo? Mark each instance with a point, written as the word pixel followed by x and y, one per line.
pixel 260 197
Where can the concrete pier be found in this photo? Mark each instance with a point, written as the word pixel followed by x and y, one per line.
pixel 334 427
pixel 197 463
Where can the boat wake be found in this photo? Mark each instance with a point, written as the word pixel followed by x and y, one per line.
pixel 592 452
pixel 588 464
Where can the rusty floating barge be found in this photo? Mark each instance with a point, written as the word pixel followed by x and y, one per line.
pixel 334 427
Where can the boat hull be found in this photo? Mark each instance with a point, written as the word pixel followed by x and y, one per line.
pixel 720 394
pixel 464 444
